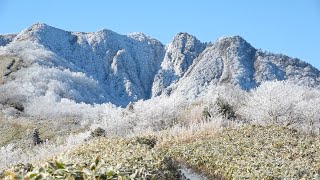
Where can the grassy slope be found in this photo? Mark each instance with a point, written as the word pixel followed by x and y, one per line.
pixel 19 131
pixel 247 152
pixel 103 158
pixel 253 152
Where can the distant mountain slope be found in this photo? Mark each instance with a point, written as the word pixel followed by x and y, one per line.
pixel 6 39
pixel 104 66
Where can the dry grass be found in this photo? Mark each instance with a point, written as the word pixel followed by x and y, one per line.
pixel 256 152
pixel 19 130
pixel 102 158
pixel 14 131
pixel 188 134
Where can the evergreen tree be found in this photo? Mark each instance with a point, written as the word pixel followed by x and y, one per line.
pixel 36 137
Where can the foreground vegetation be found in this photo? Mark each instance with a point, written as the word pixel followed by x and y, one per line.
pixel 250 151
pixel 102 158
pixel 254 152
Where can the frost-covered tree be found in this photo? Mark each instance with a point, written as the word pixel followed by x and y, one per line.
pixel 274 102
pixel 309 111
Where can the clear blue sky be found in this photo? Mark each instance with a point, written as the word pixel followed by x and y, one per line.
pixel 291 27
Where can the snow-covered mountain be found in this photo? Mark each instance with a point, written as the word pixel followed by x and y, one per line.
pixel 232 60
pixel 103 66
pixel 87 67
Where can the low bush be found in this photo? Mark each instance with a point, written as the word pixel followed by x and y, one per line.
pixel 150 141
pixel 225 109
pixel 98 132
pixel 205 113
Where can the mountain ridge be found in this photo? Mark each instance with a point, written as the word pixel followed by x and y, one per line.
pixel 105 66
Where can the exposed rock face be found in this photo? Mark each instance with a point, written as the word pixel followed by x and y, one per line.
pixel 179 56
pixel 104 66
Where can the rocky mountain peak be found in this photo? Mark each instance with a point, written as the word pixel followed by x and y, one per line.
pixel 232 43
pixel 180 54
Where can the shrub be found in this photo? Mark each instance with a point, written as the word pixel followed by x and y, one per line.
pixel 98 132
pixel 225 109
pixel 17 105
pixel 150 141
pixel 130 107
pixel 205 113
pixel 12 100
pixel 36 137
